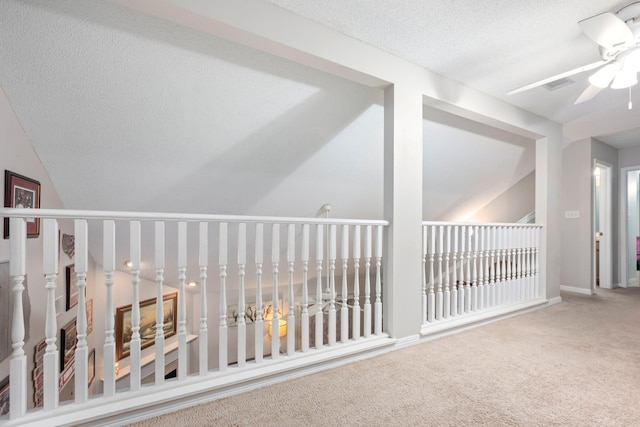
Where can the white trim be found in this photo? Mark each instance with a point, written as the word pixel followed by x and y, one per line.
pixel 606 242
pixel 456 324
pixel 530 218
pixel 622 227
pixel 175 395
pixel 576 290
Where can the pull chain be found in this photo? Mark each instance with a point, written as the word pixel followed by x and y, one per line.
pixel 630 103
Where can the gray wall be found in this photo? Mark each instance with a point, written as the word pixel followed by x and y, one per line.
pixel 576 271
pixel 512 205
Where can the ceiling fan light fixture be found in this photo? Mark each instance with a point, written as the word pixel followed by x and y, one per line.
pixel 604 75
pixel 624 79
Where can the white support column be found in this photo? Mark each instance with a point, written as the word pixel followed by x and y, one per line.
pixel 222 326
pixel 425 253
pixel 134 346
pixel 18 363
pixel 304 321
pixel 403 209
pixel 203 332
pixel 159 264
pixel 82 350
pixel 431 296
pixel 182 302
pixel 259 259
pixel 109 265
pixel 50 360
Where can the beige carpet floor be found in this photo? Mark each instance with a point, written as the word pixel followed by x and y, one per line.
pixel 573 364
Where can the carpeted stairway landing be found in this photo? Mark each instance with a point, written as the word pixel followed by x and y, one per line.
pixel 573 364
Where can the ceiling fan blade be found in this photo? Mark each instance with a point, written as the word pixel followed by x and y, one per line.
pixel 558 77
pixel 588 94
pixel 607 30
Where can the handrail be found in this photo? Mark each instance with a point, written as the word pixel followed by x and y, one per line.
pixel 91 214
pixel 492 224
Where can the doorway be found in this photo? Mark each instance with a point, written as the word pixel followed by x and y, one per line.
pixel 602 243
pixel 630 226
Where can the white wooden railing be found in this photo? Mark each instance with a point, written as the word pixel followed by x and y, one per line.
pixel 306 244
pixel 470 270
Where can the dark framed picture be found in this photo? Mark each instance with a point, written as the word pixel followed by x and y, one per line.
pixel 21 192
pixel 92 366
pixel 147 323
pixel 4 397
pixel 67 344
pixel 72 286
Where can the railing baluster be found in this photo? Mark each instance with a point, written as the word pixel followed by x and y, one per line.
pixel 50 359
pixel 501 266
pixel 355 327
pixel 344 311
pixel 367 282
pixel 431 296
pixel 304 321
pixel 319 255
pixel 222 325
pixel 203 336
pixel 474 277
pixel 291 315
pixel 439 251
pixel 510 269
pixel 425 307
pixel 487 248
pixel 378 303
pixel 467 285
pixel 519 243
pixel 18 363
pixel 275 321
pixel 109 265
pixel 454 272
pixel 82 350
pixel 332 284
pixel 462 278
pixel 134 345
pixel 447 292
pixel 528 263
pixel 536 263
pixel 242 324
pixel 159 264
pixel 182 301
pixel 481 291
pixel 494 266
pixel 259 259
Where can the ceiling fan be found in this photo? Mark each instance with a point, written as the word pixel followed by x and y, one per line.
pixel 618 38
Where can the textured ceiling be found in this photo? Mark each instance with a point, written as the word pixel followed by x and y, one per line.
pixel 491 45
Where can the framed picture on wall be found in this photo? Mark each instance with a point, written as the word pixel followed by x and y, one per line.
pixel 67 344
pixel 21 192
pixel 92 365
pixel 72 286
pixel 147 323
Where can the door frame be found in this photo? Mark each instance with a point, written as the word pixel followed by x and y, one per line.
pixel 606 186
pixel 623 241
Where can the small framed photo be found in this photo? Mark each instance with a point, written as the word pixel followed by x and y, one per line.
pixel 92 366
pixel 21 192
pixel 72 286
pixel 67 344
pixel 147 323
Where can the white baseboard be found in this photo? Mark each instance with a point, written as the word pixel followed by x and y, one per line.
pixel 576 290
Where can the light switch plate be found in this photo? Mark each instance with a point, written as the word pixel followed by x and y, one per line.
pixel 572 214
